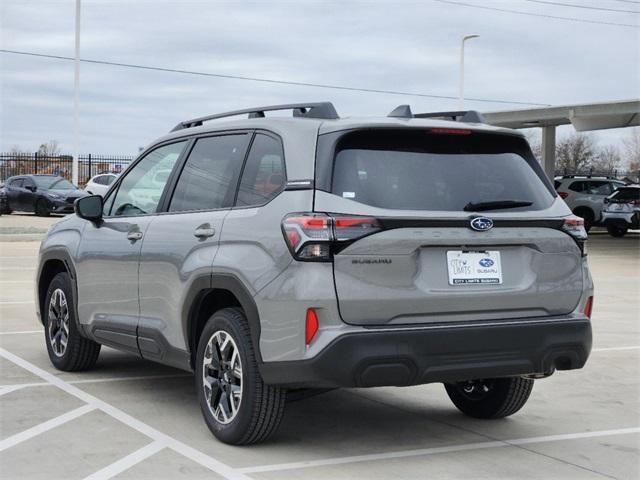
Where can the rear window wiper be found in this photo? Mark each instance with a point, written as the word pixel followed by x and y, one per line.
pixel 495 205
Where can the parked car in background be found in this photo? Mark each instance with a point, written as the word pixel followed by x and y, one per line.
pixel 585 195
pixel 4 208
pixel 41 194
pixel 621 210
pixel 99 184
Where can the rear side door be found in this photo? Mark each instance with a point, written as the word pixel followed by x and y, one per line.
pixel 107 260
pixel 181 243
pixel 28 195
pixel 426 260
pixel 13 192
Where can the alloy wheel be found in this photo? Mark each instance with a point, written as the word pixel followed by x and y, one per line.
pixel 58 329
pixel 222 377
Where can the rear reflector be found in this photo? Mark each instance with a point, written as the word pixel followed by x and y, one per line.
pixel 587 307
pixel 563 195
pixel 311 326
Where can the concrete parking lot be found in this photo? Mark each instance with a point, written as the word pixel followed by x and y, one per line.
pixel 133 419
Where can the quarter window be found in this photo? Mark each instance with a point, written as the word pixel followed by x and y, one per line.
pixel 263 176
pixel 210 174
pixel 140 191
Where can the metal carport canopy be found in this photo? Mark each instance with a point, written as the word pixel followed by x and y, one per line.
pixel 583 117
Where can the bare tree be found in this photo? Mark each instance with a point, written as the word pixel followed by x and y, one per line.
pixel 575 152
pixel 631 149
pixel 49 149
pixel 607 159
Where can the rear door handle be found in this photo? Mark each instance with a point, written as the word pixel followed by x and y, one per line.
pixel 204 231
pixel 134 236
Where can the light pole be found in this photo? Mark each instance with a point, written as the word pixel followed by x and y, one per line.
pixel 461 96
pixel 76 101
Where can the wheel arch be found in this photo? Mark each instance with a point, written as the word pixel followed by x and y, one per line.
pixel 52 263
pixel 209 295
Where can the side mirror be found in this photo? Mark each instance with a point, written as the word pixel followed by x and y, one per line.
pixel 89 208
pixel 31 188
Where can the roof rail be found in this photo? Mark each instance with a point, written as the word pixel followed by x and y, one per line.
pixel 470 116
pixel 324 110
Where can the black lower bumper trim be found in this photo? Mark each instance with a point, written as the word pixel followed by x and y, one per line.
pixel 413 357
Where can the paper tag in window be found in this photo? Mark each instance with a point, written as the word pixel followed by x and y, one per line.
pixel 348 194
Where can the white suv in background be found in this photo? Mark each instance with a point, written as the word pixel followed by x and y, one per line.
pixel 99 184
pixel 585 195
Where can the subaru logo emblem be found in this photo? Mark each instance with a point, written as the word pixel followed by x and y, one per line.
pixel 481 224
pixel 486 263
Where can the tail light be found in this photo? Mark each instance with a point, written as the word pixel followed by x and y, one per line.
pixel 574 226
pixel 317 236
pixel 588 306
pixel 563 195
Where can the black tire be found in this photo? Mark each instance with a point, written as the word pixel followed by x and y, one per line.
pixel 261 407
pixel 42 210
pixel 80 353
pixel 490 398
pixel 587 215
pixel 617 230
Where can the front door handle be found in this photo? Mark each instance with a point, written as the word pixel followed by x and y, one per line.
pixel 204 231
pixel 134 236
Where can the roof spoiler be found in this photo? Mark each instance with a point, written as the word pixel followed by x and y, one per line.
pixel 468 116
pixel 322 110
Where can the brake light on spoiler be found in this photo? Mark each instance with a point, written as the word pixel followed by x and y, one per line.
pixel 314 237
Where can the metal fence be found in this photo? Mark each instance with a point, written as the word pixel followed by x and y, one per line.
pixel 34 163
pixel 626 175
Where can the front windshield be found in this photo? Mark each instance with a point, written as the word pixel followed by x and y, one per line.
pixel 50 183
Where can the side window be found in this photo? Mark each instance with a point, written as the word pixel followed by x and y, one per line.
pixel 28 183
pixel 109 179
pixel 210 174
pixel 17 183
pixel 600 188
pixel 263 176
pixel 140 191
pixel 578 186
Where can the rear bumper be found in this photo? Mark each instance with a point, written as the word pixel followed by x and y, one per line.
pixel 632 219
pixel 395 357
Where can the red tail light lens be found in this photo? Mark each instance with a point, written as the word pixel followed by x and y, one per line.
pixel 563 195
pixel 574 226
pixel 310 326
pixel 587 307
pixel 315 236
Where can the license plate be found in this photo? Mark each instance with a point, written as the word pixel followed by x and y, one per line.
pixel 474 267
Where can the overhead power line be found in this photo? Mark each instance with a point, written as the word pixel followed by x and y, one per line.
pixel 573 5
pixel 267 80
pixel 520 12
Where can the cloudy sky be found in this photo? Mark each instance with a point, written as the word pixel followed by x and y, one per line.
pixel 405 46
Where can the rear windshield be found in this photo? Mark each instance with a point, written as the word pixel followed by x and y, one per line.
pixel 626 194
pixel 421 170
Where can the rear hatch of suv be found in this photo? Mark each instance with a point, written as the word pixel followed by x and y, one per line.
pixel 443 225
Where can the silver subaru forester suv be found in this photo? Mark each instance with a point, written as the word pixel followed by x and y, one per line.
pixel 275 254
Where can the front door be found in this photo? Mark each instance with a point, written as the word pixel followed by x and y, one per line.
pixel 180 245
pixel 109 252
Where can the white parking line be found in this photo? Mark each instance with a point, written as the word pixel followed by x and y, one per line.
pixel 16 281
pixel 45 426
pixel 21 332
pixel 435 450
pixel 613 349
pixel 176 445
pixel 17 386
pixel 127 462
pixel 4 389
pixel 23 302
